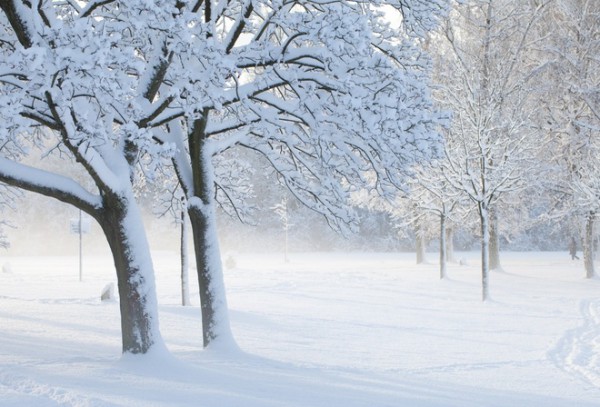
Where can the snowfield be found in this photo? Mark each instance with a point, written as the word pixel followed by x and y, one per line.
pixel 326 329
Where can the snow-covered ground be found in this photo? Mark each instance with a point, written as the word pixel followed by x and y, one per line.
pixel 342 329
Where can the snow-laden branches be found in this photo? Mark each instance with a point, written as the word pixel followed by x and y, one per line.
pixel 47 183
pixel 487 69
pixel 322 90
pixel 327 80
pixel 490 144
pixel 572 106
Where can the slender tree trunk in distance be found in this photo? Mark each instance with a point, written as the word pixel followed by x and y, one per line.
pixel 443 246
pixel 484 205
pixel 420 245
pixel 185 285
pixel 121 224
pixel 80 230
pixel 494 241
pixel 450 244
pixel 485 251
pixel 588 246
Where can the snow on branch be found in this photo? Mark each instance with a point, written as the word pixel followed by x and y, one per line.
pixel 47 183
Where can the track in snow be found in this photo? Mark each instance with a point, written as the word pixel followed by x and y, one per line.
pixel 578 351
pixel 16 388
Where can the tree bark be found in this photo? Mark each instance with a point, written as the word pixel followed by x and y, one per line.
pixel 215 320
pixel 588 246
pixel 201 212
pixel 120 220
pixel 16 21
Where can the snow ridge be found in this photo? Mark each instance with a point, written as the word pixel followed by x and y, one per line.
pixel 578 351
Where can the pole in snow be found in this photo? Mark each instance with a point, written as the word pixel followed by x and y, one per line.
pixel 80 248
pixel 80 226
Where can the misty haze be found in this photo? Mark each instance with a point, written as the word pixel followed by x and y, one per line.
pixel 299 203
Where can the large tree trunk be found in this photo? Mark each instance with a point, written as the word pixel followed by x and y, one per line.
pixel 201 211
pixel 118 216
pixel 485 251
pixel 494 241
pixel 443 246
pixel 123 228
pixel 215 319
pixel 588 246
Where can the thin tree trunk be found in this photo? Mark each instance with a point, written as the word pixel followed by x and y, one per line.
pixel 494 241
pixel 121 223
pixel 485 253
pixel 185 285
pixel 484 205
pixel 443 246
pixel 588 247
pixel 420 245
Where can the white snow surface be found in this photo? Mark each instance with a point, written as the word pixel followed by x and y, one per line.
pixel 325 329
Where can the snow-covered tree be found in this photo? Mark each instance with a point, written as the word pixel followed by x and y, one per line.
pixel 432 193
pixel 485 79
pixel 573 113
pixel 76 81
pixel 409 214
pixel 324 91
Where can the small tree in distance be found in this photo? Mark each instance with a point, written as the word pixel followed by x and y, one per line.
pixel 573 115
pixel 432 193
